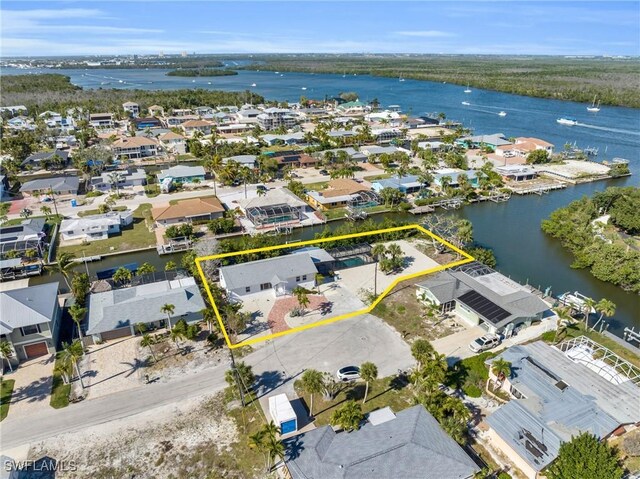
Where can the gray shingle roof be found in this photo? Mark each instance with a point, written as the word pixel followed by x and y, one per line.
pixel 181 171
pixel 270 270
pixel 141 304
pixel 60 183
pixel 27 306
pixel 43 155
pixel 413 445
pixel 29 229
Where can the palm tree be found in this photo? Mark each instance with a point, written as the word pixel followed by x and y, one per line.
pixel 589 305
pixel 71 353
pixel 146 342
pixel 302 296
pixel 501 368
pixel 170 265
pixel 64 265
pixel 261 191
pixel 45 210
pixel 6 351
pixel 312 382
pixel 368 372
pixel 605 308
pixel 122 275
pixel 168 309
pixel 378 251
pixel 25 213
pixel 348 416
pixel 115 178
pixel 176 335
pixel 146 268
pixel 77 312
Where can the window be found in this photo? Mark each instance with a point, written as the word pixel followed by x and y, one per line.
pixel 31 329
pixel 264 286
pixel 297 279
pixel 304 277
pixel 247 289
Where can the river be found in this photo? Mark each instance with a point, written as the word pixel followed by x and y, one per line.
pixel 512 229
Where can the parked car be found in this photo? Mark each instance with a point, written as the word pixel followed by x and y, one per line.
pixel 484 343
pixel 295 175
pixel 324 172
pixel 348 373
pixel 261 188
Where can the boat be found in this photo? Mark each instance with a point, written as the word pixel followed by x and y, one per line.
pixel 502 113
pixel 253 84
pixel 576 300
pixel 466 103
pixel 120 81
pixel 595 108
pixel 401 79
pixel 277 73
pixel 193 81
pixel 468 90
pixel 304 88
pixel 208 83
pixel 567 121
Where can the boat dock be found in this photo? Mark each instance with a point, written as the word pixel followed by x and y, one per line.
pixel 541 189
pixel 419 210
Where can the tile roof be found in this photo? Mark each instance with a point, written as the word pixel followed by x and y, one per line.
pixel 170 135
pixel 188 208
pixel 132 142
pixel 195 124
pixel 27 306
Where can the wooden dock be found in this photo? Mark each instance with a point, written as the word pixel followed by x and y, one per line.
pixel 540 190
pixel 419 210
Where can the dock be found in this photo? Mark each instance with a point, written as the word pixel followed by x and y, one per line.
pixel 538 189
pixel 419 210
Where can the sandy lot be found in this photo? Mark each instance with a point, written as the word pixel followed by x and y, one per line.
pixel 574 168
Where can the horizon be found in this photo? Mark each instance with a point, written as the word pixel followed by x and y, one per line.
pixel 90 28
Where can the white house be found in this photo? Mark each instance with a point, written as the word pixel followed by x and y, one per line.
pixel 95 227
pixel 173 142
pixel 125 179
pixel 132 108
pixel 134 147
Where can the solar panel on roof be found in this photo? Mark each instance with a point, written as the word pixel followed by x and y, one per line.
pixel 484 306
pixel 11 229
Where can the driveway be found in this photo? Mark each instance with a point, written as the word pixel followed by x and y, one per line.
pixel 32 389
pixel 456 346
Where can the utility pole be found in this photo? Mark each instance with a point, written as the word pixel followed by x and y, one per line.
pixel 238 382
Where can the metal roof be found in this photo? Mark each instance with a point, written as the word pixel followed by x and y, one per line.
pixel 181 171
pixel 27 306
pixel 60 183
pixel 270 270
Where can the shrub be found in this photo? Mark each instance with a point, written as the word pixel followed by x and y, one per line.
pixel 472 390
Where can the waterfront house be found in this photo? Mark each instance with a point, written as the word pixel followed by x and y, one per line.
pixel 173 142
pixel 557 393
pixel 64 186
pixel 188 211
pixel 481 296
pixel 183 174
pixel 95 227
pixel 114 314
pixel 516 172
pixel 192 126
pixel 281 275
pixel 131 108
pixel 406 444
pixel 453 174
pixel 45 159
pixel 17 240
pixel 30 321
pixel 288 139
pixel 243 160
pixel 134 147
pixel 146 122
pixel 156 110
pixel 353 108
pixel 340 193
pixel 483 141
pixel 278 207
pixel 406 184
pixel 523 146
pixel 385 135
pixel 101 120
pixel 126 179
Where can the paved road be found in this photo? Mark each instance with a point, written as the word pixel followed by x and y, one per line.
pixel 276 363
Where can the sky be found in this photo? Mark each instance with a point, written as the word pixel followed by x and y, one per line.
pixel 114 27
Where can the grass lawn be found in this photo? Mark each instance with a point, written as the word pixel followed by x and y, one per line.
pixel 59 390
pixel 334 213
pixel 319 186
pixel 51 220
pixel 470 374
pixel 82 214
pixel 131 237
pixel 383 392
pixel 383 176
pixel 6 390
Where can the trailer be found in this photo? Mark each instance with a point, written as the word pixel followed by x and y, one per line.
pixel 283 414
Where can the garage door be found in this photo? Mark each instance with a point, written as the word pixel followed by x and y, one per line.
pixel 36 350
pixel 116 333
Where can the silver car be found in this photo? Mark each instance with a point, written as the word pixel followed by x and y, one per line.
pixel 348 373
pixel 484 343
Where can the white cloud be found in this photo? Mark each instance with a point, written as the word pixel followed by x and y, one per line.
pixel 426 33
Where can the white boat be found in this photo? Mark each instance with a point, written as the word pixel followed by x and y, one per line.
pixel 468 90
pixel 567 121
pixel 595 108
pixel 193 81
pixel 466 103
pixel 304 88
pixel 576 300
pixel 502 113
pixel 120 81
pixel 277 73
pixel 253 84
pixel 401 79
pixel 208 83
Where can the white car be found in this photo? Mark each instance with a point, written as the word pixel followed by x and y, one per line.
pixel 348 373
pixel 484 343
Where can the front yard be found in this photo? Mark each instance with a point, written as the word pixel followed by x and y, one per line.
pixel 6 390
pixel 133 237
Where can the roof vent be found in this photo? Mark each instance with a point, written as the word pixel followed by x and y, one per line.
pixel 561 385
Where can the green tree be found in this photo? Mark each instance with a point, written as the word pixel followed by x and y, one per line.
pixel 122 275
pixel 45 210
pixel 71 354
pixel 312 382
pixel 422 351
pixel 302 296
pixel 146 268
pixel 6 351
pixel 168 309
pixel 245 373
pixel 80 287
pixel 538 157
pixel 584 457
pixel 170 265
pixel 64 265
pixel 368 372
pixel 348 416
pixel 266 442
pixel 147 341
pixel 77 313
pixel 606 308
pixel 501 368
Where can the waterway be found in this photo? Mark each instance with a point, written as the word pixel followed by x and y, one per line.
pixel 512 229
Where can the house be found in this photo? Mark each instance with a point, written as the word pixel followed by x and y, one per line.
pixel 281 275
pixel 21 123
pixel 51 118
pixel 147 122
pixel 204 111
pixel 248 115
pixel 95 227
pixel 406 184
pixel 192 126
pixel 353 108
pixel 481 296
pixel 43 159
pixel 391 117
pixel 114 314
pixel 16 240
pixel 288 139
pixel 557 393
pixel 278 207
pixel 407 444
pixel 58 185
pixel 293 159
pixel 274 118
pixel 182 112
pixel 483 141
pixel 385 135
pixel 132 108
pixel 235 128
pixel 188 211
pixel 375 150
pixel 183 174
pixel 30 320
pixel 173 142
pixel 516 172
pixel 342 192
pixel 352 152
pixel 101 120
pixel 14 110
pixel 125 179
pixel 523 146
pixel 243 160
pixel 453 175
pixel 134 147
pixel 156 110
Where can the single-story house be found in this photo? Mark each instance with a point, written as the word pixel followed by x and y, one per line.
pixel 489 141
pixel 454 176
pixel 288 139
pixel 148 122
pixel 556 394
pixel 191 126
pixel 294 159
pixel 353 108
pixel 385 135
pixel 374 150
pixel 131 107
pixel 125 179
pixel 523 146
pixel 481 296
pixel 516 172
pixel 134 147
pixel 278 207
pixel 406 184
pixel 243 160
pixel 183 174
pixel 30 320
pixel 352 152
pixel 188 211
pixel 37 160
pixel 59 185
pixel 407 444
pixel 340 193
pixel 95 227
pixel 281 275
pixel 28 235
pixel 173 142
pixel 114 314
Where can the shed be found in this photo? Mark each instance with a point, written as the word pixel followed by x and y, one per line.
pixel 283 414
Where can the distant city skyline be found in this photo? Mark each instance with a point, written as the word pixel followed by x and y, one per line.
pixel 35 28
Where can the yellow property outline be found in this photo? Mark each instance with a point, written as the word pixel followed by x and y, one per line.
pixel 468 259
